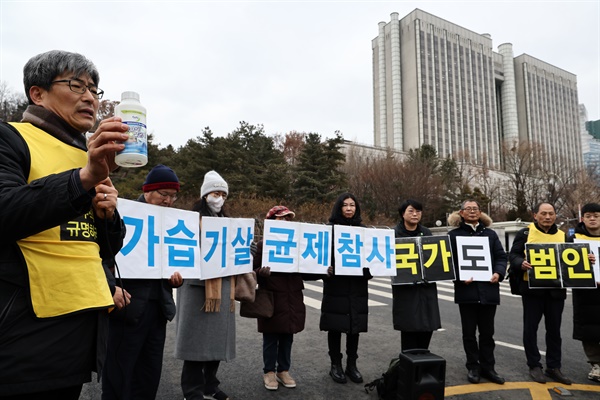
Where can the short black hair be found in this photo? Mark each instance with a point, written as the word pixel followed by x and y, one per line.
pixel 590 208
pixel 410 202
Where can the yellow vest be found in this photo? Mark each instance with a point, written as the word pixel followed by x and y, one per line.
pixel 585 237
pixel 63 263
pixel 537 236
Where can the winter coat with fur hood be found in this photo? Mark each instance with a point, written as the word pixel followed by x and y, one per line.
pixel 478 292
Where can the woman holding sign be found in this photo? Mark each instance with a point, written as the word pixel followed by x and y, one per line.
pixel 345 301
pixel 415 309
pixel 288 317
pixel 205 313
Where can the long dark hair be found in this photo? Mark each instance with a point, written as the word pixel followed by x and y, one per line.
pixel 337 217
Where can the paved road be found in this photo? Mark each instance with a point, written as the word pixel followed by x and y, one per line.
pixel 242 378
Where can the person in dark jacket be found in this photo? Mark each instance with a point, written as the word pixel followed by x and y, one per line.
pixel 59 224
pixel 137 332
pixel 345 307
pixel 288 316
pixel 548 303
pixel 415 309
pixel 477 300
pixel 586 302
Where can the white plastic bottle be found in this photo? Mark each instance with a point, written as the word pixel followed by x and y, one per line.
pixel 133 113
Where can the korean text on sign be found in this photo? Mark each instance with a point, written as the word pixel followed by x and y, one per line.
pixel 556 265
pixel 423 259
pixel 225 246
pixel 296 247
pixel 474 258
pixel 355 248
pixel 158 242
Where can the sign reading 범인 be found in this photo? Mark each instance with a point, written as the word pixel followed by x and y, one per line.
pixel 159 241
pixel 559 265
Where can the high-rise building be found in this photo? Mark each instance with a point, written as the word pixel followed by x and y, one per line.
pixel 441 84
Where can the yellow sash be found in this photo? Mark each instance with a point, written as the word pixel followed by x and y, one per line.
pixel 585 237
pixel 63 262
pixel 537 236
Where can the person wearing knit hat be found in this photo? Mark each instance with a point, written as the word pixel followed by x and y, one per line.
pixel 213 194
pixel 206 312
pixel 137 333
pixel 161 186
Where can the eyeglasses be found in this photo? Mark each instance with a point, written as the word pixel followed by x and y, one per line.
pixel 173 196
pixel 79 87
pixel 469 209
pixel 414 211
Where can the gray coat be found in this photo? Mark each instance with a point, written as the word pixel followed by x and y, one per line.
pixel 203 336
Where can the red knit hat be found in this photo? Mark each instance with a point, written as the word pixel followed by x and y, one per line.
pixel 161 177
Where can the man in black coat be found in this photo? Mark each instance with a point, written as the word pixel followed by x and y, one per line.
pixel 477 301
pixel 137 332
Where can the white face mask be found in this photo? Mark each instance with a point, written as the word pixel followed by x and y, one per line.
pixel 215 203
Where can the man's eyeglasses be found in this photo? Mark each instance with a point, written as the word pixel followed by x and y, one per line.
pixel 165 195
pixel 469 209
pixel 79 87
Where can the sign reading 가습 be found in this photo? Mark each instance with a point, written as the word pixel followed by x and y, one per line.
pixel 355 248
pixel 159 241
pixel 296 247
pixel 559 265
pixel 423 259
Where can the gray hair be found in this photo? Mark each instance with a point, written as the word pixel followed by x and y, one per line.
pixel 42 69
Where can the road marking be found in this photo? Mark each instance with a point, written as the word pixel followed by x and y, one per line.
pixel 538 391
pixel 317 303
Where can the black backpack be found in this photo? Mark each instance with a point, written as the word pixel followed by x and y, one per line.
pixel 387 385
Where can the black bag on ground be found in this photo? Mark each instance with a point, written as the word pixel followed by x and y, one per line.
pixel 387 385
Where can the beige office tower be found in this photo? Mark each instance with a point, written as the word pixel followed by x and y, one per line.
pixel 440 84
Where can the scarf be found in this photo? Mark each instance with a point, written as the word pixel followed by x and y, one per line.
pixel 54 125
pixel 212 288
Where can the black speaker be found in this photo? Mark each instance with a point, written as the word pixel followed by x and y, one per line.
pixel 421 375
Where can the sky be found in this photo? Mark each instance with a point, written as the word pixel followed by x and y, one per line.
pixel 302 66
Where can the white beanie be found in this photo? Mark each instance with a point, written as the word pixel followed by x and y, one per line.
pixel 213 182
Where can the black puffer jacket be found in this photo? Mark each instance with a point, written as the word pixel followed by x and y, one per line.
pixel 478 292
pixel 345 305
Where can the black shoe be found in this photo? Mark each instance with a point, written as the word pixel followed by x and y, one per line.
pixel 353 373
pixel 473 376
pixel 537 374
pixel 337 373
pixel 492 376
pixel 557 376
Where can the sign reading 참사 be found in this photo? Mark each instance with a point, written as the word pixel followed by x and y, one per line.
pixel 159 241
pixel 356 248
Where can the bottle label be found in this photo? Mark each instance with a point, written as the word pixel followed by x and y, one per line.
pixel 137 142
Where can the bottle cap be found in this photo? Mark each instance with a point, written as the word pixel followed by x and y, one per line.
pixel 130 95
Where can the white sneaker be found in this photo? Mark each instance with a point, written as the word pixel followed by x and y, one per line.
pixel 594 374
pixel 270 381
